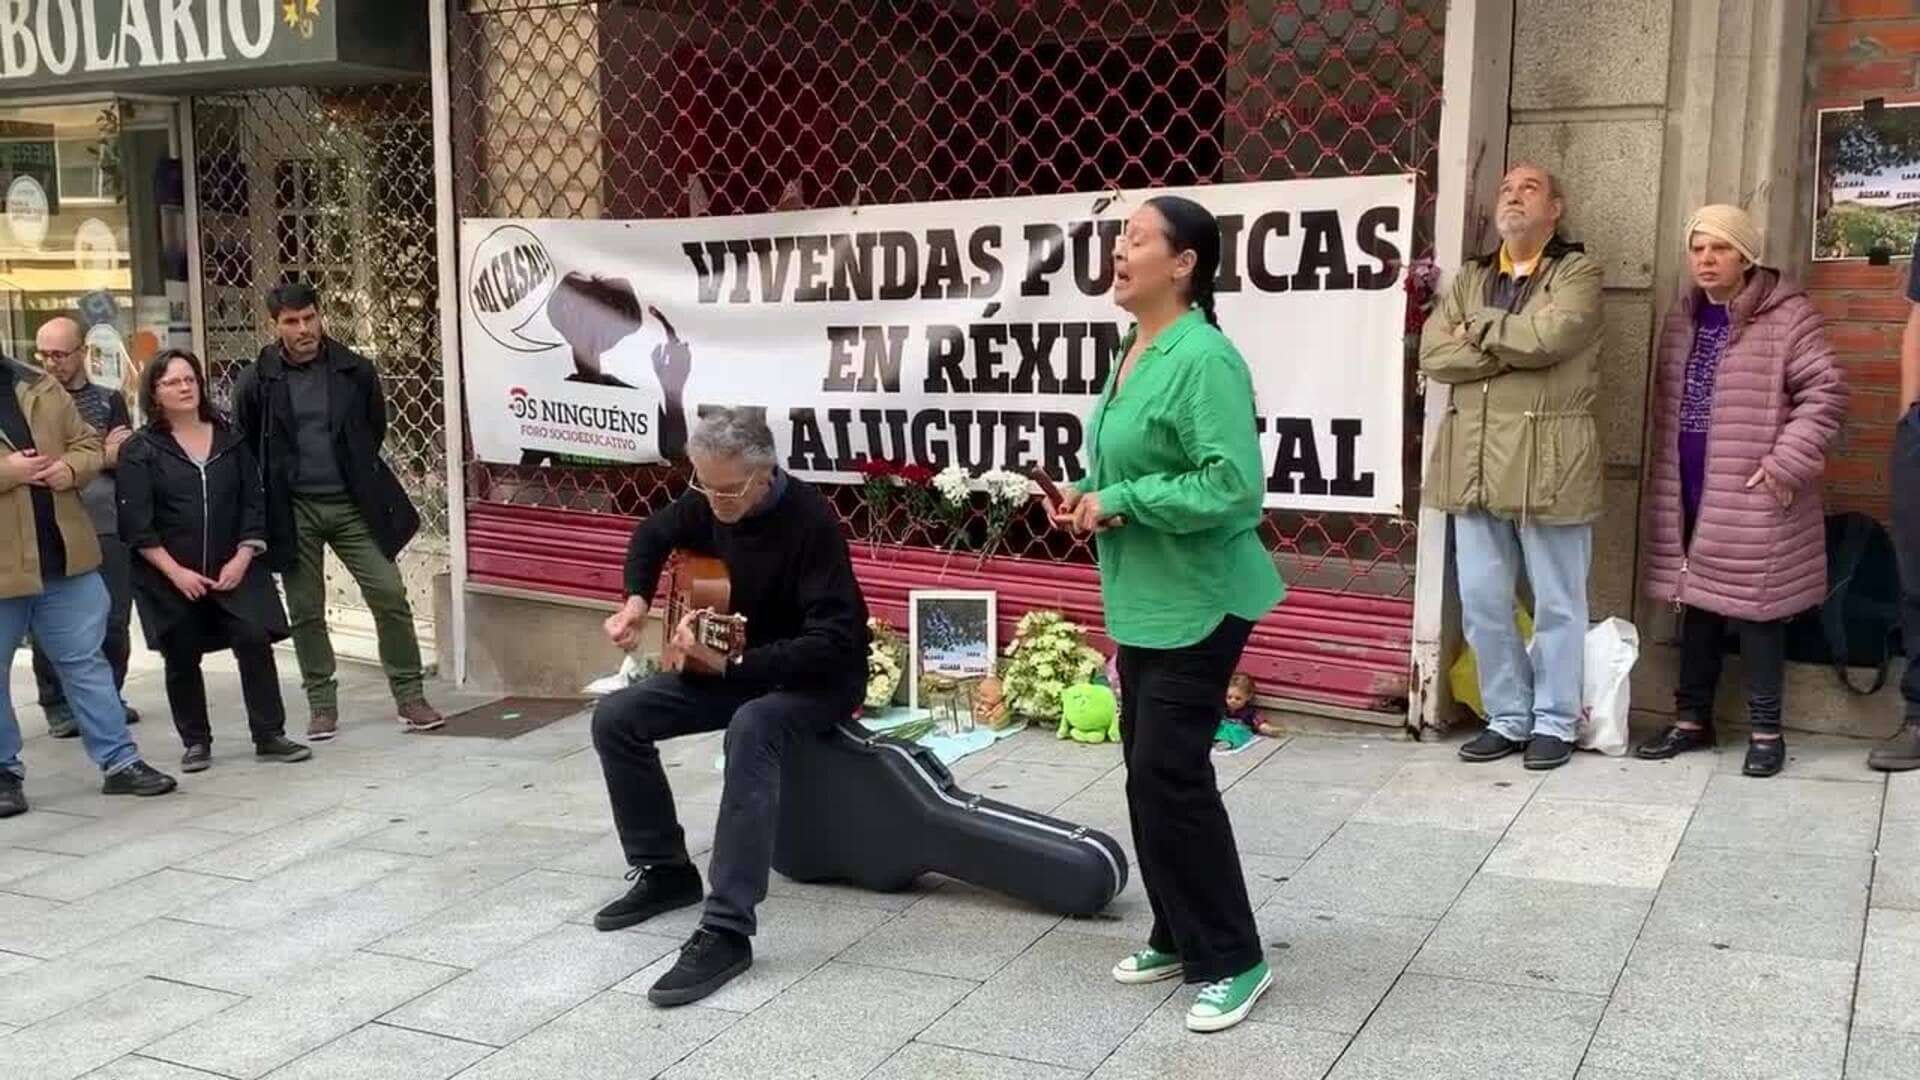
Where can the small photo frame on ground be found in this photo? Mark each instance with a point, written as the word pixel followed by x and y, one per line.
pixel 952 636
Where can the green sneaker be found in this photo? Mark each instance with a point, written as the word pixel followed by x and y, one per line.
pixel 1227 1002
pixel 1231 738
pixel 1147 965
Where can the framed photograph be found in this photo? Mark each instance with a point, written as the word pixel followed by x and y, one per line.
pixel 1866 188
pixel 952 640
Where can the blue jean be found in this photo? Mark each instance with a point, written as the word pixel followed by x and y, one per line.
pixel 68 618
pixel 1535 692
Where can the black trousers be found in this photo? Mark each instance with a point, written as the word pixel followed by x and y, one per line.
pixel 628 725
pixel 1170 703
pixel 1763 648
pixel 1905 533
pixel 116 569
pixel 209 628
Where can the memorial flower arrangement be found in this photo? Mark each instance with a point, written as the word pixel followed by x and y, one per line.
pixel 1049 653
pixel 886 662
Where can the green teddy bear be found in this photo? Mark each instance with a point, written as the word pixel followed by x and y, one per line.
pixel 1089 714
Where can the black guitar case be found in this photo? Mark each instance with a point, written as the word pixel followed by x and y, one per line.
pixel 877 812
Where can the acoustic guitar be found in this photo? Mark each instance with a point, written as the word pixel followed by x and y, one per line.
pixel 700 584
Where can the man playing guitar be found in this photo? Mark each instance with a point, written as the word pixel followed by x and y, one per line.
pixel 802 667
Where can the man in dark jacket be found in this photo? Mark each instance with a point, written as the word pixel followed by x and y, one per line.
pixel 315 416
pixel 803 667
pixel 60 350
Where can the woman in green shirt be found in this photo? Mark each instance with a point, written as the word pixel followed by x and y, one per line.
pixel 1173 496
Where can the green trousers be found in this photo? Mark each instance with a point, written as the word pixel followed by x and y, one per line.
pixel 333 521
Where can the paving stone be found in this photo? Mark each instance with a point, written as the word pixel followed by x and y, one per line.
pixel 1678 781
pixel 136 858
pixel 1330 969
pixel 1591 1073
pixel 1896 871
pixel 1290 820
pixel 476 930
pixel 14 963
pixel 45 989
pixel 40 828
pixel 1555 935
pixel 1129 918
pixel 1163 1047
pixel 610 1035
pixel 1882 1055
pixel 135 1067
pixel 1592 843
pixel 1388 870
pixel 600 857
pixel 257 961
pixel 924 1061
pixel 1438 1029
pixel 1230 769
pixel 1342 762
pixel 960 931
pixel 57 930
pixel 110 1027
pixel 516 992
pixel 1039 788
pixel 324 876
pixel 1903 796
pixel 1057 1004
pixel 277 849
pixel 1706 1014
pixel 1450 794
pixel 452 832
pixel 16 863
pixel 1044 747
pixel 1787 905
pixel 1812 757
pixel 1889 993
pixel 843 1020
pixel 796 937
pixel 1810 817
pixel 251 1039
pixel 378 1052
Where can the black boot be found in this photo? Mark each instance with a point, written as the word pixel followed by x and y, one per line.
pixel 708 961
pixel 1898 754
pixel 656 890
pixel 1674 741
pixel 1490 745
pixel 1765 757
pixel 13 795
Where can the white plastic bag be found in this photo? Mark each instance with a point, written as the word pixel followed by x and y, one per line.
pixel 1611 649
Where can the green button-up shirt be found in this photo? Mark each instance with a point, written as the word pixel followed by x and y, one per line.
pixel 1176 453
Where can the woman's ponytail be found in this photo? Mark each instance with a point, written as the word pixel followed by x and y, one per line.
pixel 1190 227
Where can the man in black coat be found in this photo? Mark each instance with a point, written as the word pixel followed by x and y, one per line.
pixel 315 416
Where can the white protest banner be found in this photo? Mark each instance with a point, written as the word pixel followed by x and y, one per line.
pixel 976 332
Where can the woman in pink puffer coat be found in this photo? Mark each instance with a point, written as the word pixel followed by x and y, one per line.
pixel 1746 400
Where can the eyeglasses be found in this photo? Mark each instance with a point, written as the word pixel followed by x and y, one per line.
pixel 728 495
pixel 46 355
pixel 177 383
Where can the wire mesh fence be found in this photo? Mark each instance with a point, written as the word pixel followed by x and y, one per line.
pixel 683 108
pixel 333 187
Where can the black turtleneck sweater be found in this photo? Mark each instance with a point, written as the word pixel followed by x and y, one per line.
pixel 791 577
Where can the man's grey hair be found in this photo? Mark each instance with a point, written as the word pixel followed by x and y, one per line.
pixel 734 433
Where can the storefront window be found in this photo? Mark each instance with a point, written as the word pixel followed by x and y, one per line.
pixel 94 226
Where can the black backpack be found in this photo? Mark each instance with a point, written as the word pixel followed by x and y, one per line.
pixel 1858 625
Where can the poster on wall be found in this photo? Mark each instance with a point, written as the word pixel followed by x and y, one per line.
pixel 972 332
pixel 1867 186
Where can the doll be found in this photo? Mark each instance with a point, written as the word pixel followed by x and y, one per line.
pixel 1241 722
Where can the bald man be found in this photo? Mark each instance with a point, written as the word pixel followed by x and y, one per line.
pixel 60 350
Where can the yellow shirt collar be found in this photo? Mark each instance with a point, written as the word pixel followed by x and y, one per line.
pixel 1513 269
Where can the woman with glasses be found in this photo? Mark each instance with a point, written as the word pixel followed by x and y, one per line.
pixel 193 510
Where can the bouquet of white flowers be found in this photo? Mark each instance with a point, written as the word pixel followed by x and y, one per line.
pixel 886 661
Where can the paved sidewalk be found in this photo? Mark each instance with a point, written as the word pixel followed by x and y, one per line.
pixel 416 908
